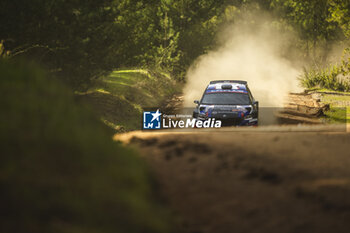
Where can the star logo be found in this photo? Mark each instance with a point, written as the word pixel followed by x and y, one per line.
pixel 151 120
pixel 156 115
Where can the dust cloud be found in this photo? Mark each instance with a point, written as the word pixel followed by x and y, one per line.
pixel 253 50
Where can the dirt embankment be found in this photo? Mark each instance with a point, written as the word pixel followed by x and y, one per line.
pixel 252 181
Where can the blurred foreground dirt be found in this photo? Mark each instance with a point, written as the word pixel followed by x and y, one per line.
pixel 293 180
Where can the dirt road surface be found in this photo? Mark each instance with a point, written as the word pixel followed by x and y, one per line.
pixel 242 180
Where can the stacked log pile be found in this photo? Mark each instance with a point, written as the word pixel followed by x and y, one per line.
pixel 302 108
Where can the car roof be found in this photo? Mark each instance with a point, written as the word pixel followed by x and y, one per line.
pixel 228 81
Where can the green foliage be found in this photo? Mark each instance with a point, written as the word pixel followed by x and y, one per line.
pixel 198 23
pixel 83 40
pixel 79 40
pixel 340 13
pixel 310 20
pixel 59 169
pixel 336 77
pixel 329 78
pixel 320 24
pixel 69 38
pixel 345 63
pixel 177 33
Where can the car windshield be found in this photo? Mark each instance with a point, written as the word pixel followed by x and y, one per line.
pixel 226 98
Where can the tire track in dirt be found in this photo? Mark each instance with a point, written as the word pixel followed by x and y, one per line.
pixel 251 181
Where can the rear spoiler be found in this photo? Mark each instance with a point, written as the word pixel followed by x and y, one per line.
pixel 229 81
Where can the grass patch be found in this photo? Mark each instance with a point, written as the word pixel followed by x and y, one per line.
pixel 121 96
pixel 338 115
pixel 339 103
pixel 327 91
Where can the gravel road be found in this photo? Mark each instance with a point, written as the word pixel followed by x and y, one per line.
pixel 242 180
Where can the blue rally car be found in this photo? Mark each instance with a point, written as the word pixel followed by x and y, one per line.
pixel 229 101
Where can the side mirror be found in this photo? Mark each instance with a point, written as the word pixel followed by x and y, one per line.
pixel 256 104
pixel 256 108
pixel 196 101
